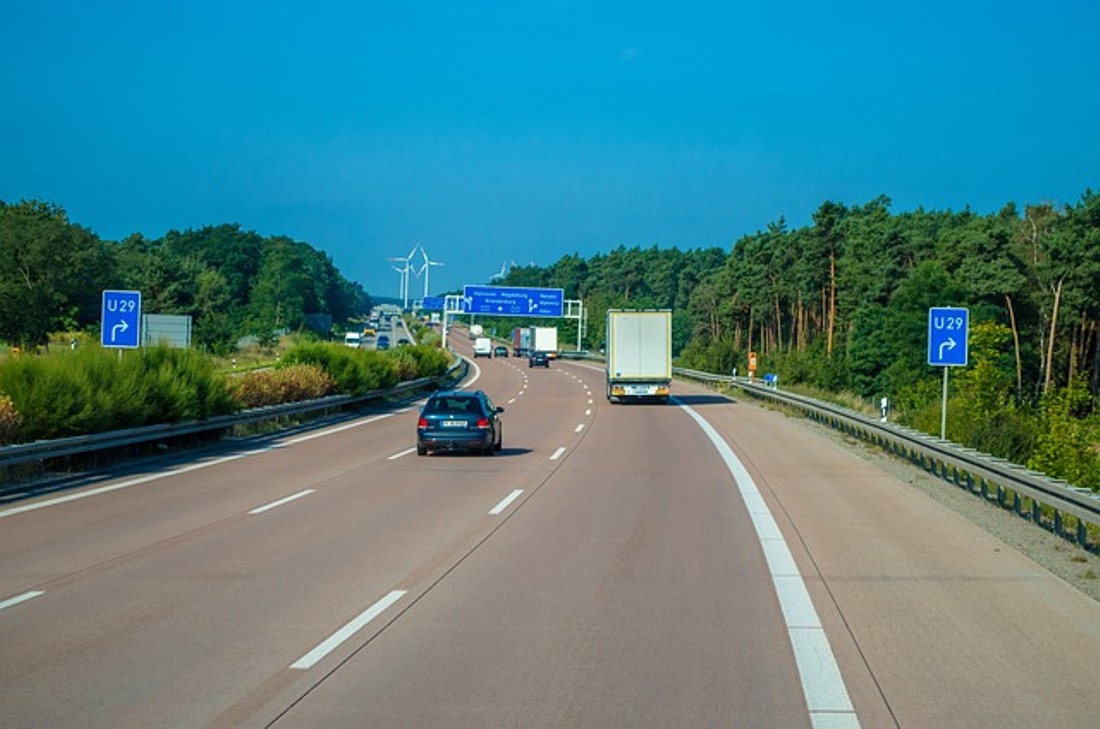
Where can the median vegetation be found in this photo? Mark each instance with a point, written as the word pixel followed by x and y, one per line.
pixel 88 390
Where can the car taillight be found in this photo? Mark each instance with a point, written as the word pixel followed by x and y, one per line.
pixel 483 423
pixel 422 423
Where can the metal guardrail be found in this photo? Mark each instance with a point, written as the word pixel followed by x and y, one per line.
pixel 1044 501
pixel 47 449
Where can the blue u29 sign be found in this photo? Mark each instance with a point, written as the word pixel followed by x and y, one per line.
pixel 121 322
pixel 948 336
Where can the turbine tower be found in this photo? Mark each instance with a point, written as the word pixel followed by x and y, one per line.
pixel 425 268
pixel 400 280
pixel 407 260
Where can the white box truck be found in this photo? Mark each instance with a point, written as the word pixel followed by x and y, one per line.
pixel 544 339
pixel 639 354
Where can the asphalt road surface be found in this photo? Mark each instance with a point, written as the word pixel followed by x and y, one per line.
pixel 699 564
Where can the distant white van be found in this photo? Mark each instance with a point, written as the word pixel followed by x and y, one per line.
pixel 483 347
pixel 353 339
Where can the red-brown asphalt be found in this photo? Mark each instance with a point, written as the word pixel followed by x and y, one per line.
pixel 625 586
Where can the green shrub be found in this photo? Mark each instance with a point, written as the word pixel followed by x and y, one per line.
pixel 10 419
pixel 1065 447
pixel 357 371
pixel 285 384
pixel 93 390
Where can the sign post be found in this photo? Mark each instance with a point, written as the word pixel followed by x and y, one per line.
pixel 120 325
pixel 948 346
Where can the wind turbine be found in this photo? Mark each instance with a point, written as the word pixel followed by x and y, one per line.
pixel 425 268
pixel 405 273
pixel 502 274
pixel 400 280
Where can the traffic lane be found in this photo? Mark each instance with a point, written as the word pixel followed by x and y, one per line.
pixel 215 617
pixel 91 525
pixel 552 408
pixel 200 630
pixel 188 493
pixel 934 622
pixel 629 590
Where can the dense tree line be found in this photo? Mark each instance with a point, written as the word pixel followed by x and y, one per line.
pixel 842 305
pixel 233 282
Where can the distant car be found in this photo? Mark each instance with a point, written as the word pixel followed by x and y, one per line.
pixel 383 342
pixel 459 420
pixel 403 342
pixel 538 359
pixel 500 351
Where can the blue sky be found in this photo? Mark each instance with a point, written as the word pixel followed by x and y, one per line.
pixel 494 132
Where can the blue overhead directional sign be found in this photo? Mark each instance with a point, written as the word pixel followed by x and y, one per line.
pixel 121 322
pixel 948 334
pixel 513 301
pixel 432 303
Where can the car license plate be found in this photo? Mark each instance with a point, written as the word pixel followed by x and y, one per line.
pixel 641 390
pixel 453 423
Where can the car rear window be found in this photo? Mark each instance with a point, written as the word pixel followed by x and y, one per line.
pixel 455 404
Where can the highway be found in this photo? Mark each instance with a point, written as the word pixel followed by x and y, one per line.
pixel 699 564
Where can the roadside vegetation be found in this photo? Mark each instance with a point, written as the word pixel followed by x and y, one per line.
pixel 87 390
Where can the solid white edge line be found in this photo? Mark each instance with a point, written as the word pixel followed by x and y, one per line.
pixel 822 685
pixel 505 502
pixel 118 486
pixel 395 456
pixel 12 601
pixel 183 469
pixel 333 641
pixel 336 429
pixel 557 453
pixel 280 502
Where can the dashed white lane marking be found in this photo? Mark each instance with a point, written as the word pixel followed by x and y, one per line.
pixel 505 502
pixel 397 455
pixel 823 686
pixel 579 428
pixel 333 642
pixel 280 502
pixel 13 601
pixel 557 453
